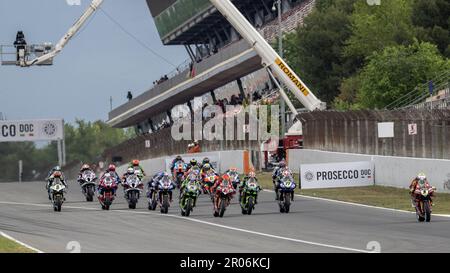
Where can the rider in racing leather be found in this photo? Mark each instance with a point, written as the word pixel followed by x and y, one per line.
pixel 101 189
pixel 135 164
pixel 193 165
pixel 112 171
pixel 277 172
pixel 244 181
pixel 175 161
pixel 130 171
pixel 56 174
pixel 419 182
pixel 190 179
pixel 84 168
pixel 224 178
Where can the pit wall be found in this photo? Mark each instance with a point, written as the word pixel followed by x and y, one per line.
pixel 389 171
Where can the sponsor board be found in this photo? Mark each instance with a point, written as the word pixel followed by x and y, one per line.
pixel 31 130
pixel 214 161
pixel 337 175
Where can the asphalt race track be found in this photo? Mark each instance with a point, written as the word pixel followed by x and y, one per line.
pixel 312 226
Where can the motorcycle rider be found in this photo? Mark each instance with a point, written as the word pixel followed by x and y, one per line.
pixel 130 171
pixel 233 172
pixel 101 189
pixel 153 184
pixel 84 167
pixel 54 169
pixel 193 165
pixel 175 161
pixel 56 174
pixel 276 175
pixel 224 178
pixel 207 170
pixel 112 171
pixel 420 181
pixel 135 164
pixel 190 179
pixel 206 161
pixel 243 184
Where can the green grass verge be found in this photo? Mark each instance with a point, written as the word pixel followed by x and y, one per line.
pixel 8 246
pixel 380 196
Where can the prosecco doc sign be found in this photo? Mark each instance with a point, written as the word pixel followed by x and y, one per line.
pixel 336 175
pixel 31 130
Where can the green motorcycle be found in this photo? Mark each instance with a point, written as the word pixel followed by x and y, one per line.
pixel 249 195
pixel 190 194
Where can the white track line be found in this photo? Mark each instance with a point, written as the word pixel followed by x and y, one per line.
pixel 19 242
pixel 358 205
pixel 211 224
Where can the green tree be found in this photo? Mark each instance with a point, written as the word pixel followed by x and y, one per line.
pixel 431 17
pixel 376 27
pixel 396 71
pixel 315 50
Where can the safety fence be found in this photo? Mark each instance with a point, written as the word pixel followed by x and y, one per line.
pixel 416 133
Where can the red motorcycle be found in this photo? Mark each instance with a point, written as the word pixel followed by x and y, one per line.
pixel 107 185
pixel 226 192
pixel 422 202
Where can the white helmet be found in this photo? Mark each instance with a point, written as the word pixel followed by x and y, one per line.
pixel 130 171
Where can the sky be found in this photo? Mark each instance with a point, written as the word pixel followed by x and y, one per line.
pixel 100 62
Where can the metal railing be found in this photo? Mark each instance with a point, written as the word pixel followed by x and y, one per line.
pixel 421 93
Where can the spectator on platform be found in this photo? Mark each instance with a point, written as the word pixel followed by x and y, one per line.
pixel 129 96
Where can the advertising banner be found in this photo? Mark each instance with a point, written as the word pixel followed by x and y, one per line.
pixel 336 175
pixel 31 130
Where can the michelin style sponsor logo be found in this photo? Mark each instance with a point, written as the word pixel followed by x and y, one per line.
pixel 292 76
pixel 334 175
pixel 309 176
pixel 50 129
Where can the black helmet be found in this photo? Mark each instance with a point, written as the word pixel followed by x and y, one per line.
pixel 193 162
pixel 205 160
pixel 178 157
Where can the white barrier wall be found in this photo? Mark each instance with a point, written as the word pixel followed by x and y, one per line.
pixel 226 160
pixel 389 171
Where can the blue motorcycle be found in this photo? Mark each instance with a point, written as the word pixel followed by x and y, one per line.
pixel 286 189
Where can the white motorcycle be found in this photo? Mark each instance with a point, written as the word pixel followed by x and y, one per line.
pixel 87 184
pixel 57 191
pixel 133 187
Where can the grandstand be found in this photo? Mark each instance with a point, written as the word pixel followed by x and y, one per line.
pixel 221 64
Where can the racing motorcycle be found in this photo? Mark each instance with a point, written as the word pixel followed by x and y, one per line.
pixel 132 188
pixel 422 204
pixel 234 178
pixel 226 192
pixel 286 192
pixel 208 182
pixel 178 172
pixel 87 183
pixel 109 185
pixel 189 196
pixel 165 188
pixel 249 195
pixel 57 191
